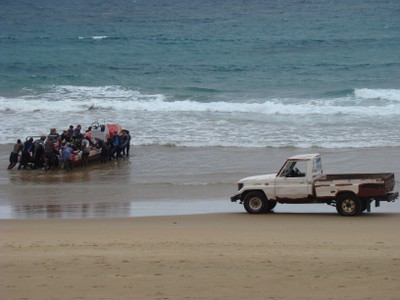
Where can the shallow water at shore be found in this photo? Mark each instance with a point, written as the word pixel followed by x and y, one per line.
pixel 168 181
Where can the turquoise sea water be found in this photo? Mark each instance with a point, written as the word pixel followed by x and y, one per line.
pixel 205 73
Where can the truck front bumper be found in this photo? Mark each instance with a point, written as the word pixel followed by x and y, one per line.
pixel 236 197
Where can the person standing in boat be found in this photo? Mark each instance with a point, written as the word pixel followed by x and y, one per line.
pixel 54 136
pixel 70 131
pixel 77 132
pixel 77 137
pixel 14 154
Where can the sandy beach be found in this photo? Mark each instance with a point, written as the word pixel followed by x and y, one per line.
pixel 90 234
pixel 210 92
pixel 216 256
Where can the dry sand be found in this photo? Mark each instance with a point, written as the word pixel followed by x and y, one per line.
pixel 215 256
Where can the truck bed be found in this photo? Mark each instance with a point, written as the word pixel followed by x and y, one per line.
pixel 385 179
pixel 351 176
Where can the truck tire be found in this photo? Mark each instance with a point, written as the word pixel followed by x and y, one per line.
pixel 255 202
pixel 364 205
pixel 348 205
pixel 270 205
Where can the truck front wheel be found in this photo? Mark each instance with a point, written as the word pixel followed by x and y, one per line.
pixel 255 202
pixel 348 205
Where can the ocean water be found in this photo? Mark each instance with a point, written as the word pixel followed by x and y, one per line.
pixel 201 73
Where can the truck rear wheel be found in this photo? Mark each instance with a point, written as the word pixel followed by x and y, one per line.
pixel 364 204
pixel 255 202
pixel 348 205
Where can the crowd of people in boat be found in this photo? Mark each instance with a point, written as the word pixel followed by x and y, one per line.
pixel 71 147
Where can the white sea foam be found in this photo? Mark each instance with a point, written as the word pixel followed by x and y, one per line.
pixel 99 37
pixel 95 37
pixel 361 119
pixel 388 94
pixel 78 98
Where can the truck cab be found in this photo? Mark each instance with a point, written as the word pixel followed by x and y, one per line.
pixel 294 181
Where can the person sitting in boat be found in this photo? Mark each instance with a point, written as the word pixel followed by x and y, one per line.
pixel 77 132
pixel 14 154
pixel 65 138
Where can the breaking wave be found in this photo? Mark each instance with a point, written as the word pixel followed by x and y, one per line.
pixel 360 118
pixel 366 102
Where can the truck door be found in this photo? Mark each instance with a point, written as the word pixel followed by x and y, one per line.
pixel 291 184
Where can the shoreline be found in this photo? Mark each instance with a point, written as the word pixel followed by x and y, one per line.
pixel 169 180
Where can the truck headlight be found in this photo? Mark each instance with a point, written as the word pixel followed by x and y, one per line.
pixel 239 186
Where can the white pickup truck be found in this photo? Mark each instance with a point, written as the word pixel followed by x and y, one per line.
pixel 301 180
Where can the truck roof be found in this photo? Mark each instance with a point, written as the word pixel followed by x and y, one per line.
pixel 304 156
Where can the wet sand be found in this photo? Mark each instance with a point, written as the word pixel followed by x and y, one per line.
pixel 214 256
pixel 166 181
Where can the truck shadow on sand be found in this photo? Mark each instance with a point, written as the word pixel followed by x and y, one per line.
pixel 332 214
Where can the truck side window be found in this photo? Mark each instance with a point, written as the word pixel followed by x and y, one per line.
pixel 295 169
pixel 317 165
pixel 287 169
pixel 301 168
